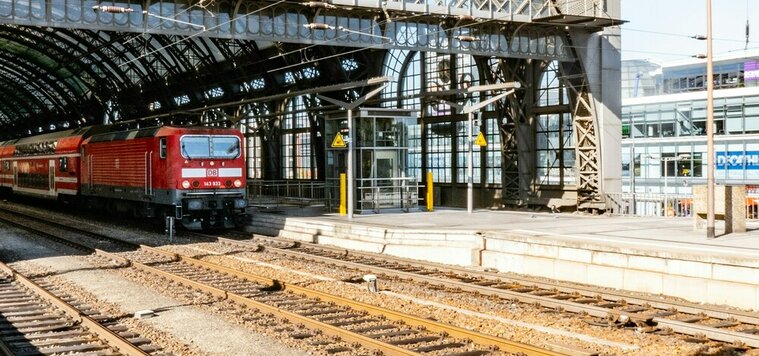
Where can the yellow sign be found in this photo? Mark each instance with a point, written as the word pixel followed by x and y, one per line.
pixel 480 141
pixel 338 141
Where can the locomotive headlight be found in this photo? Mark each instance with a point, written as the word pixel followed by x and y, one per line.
pixel 238 183
pixel 241 203
pixel 194 204
pixel 186 184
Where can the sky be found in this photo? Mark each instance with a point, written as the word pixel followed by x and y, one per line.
pixel 659 30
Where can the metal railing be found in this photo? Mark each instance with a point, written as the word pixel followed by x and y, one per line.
pixel 375 194
pixel 296 192
pixel 650 204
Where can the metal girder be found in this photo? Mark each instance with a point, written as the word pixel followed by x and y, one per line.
pixel 474 27
pixel 32 54
pixel 586 137
pixel 16 101
pixel 515 184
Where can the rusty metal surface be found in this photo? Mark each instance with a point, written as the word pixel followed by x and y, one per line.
pixel 35 301
pixel 404 337
pixel 608 307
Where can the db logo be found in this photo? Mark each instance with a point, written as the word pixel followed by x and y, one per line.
pixel 212 172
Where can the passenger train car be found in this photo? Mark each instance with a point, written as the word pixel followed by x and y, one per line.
pixel 196 174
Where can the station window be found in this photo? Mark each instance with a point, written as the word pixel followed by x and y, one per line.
pixel 7 165
pixel 63 164
pixel 162 147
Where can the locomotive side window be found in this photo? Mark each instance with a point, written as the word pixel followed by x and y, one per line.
pixel 210 146
pixel 162 147
pixel 63 164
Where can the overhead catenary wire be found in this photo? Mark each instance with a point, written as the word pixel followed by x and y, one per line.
pixel 681 35
pixel 201 32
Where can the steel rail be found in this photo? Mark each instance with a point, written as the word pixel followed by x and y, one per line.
pixel 691 329
pixel 506 294
pixel 4 349
pixel 292 317
pixel 685 307
pixel 453 331
pixel 346 335
pixel 113 339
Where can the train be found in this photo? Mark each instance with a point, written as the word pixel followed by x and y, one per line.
pixel 195 174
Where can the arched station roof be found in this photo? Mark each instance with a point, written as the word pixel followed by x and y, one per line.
pixel 64 64
pixel 54 79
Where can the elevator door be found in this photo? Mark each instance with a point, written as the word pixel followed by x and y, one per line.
pixel 386 166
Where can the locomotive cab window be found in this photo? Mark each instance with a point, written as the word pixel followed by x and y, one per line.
pixel 162 147
pixel 210 146
pixel 63 164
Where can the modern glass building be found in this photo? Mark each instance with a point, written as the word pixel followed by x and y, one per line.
pixel 664 123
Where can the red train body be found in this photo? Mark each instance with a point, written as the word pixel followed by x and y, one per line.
pixel 194 174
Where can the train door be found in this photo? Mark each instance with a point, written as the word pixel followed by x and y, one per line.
pixel 15 175
pixel 149 173
pixel 51 178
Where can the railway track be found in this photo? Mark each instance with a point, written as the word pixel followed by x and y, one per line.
pixel 354 323
pixel 38 319
pixel 697 323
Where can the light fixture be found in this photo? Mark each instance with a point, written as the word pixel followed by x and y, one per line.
pixel 324 26
pixel 467 38
pixel 318 26
pixel 112 9
pixel 122 10
pixel 319 4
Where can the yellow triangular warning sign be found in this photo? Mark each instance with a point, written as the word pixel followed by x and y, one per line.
pixel 338 141
pixel 480 141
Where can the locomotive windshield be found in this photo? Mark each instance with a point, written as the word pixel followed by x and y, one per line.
pixel 210 146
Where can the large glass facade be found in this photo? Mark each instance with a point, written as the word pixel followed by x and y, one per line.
pixel 732 116
pixel 664 137
pixel 296 151
pixel 554 141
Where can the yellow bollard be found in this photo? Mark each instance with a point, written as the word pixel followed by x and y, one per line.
pixel 430 190
pixel 343 194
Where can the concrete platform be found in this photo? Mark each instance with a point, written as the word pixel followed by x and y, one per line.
pixel 644 254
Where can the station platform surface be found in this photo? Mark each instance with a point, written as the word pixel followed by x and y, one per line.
pixel 675 234
pixel 660 255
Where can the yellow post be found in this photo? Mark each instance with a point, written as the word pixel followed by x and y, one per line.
pixel 429 192
pixel 343 193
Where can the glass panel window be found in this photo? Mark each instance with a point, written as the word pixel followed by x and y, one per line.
pixel 551 91
pixel 255 168
pixel 439 151
pixel 210 146
pixel 462 143
pixel 555 150
pixel 225 147
pixel 296 151
pixel 196 147
pixel 493 151
pixel 162 147
pixel 414 159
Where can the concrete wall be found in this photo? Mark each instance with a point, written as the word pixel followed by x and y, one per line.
pixel 601 59
pixel 714 279
pixel 710 279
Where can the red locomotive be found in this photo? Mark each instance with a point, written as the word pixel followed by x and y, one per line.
pixel 196 174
